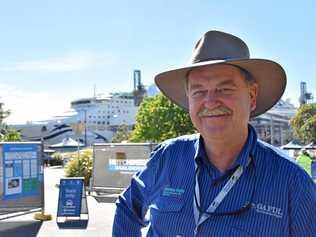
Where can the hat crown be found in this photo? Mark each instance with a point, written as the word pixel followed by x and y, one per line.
pixel 216 45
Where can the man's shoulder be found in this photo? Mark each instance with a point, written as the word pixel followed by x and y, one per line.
pixel 179 147
pixel 273 152
pixel 181 140
pixel 275 159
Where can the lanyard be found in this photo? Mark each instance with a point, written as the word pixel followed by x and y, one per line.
pixel 201 217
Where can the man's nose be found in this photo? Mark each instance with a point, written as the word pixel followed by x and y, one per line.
pixel 211 100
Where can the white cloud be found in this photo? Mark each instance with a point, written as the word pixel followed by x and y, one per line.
pixel 66 63
pixel 26 106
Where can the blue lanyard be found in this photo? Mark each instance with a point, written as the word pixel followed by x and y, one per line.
pixel 201 217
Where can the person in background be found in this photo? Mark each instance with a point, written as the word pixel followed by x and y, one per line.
pixel 305 161
pixel 222 181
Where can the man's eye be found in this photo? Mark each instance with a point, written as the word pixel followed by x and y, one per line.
pixel 225 90
pixel 197 93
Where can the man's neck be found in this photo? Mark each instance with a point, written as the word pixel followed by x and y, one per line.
pixel 223 153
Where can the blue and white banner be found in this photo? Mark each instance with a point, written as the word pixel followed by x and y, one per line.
pixel 70 195
pixel 127 165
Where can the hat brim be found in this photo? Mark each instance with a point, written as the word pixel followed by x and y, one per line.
pixel 269 75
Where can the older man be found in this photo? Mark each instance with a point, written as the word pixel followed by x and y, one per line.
pixel 222 181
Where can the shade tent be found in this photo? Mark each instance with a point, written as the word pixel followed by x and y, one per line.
pixel 312 145
pixel 67 143
pixel 292 146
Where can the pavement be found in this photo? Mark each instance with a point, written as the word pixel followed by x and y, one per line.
pixel 101 214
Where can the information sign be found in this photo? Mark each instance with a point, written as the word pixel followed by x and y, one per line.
pixel 70 195
pixel 21 170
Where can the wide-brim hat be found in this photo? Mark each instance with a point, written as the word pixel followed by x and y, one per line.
pixel 217 47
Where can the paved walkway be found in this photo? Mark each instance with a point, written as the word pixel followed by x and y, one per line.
pixel 100 216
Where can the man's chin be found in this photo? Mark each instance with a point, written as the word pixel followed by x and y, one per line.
pixel 215 132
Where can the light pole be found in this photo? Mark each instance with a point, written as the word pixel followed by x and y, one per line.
pixel 85 128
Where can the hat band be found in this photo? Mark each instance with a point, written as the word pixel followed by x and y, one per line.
pixel 217 59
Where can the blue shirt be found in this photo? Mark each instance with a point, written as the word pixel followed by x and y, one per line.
pixel 281 194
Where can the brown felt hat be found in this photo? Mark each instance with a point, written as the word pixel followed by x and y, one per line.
pixel 217 47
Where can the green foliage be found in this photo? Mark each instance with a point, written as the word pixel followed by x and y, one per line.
pixel 3 113
pixel 10 135
pixel 80 167
pixel 308 130
pixel 159 119
pixel 122 134
pixel 7 134
pixel 304 123
pixel 57 159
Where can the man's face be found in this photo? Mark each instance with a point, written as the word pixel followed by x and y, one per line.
pixel 220 100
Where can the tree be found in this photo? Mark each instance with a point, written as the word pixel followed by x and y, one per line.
pixel 80 166
pixel 159 119
pixel 3 113
pixel 304 123
pixel 7 134
pixel 122 134
pixel 10 135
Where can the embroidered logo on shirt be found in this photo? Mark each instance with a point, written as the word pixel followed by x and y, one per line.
pixel 172 192
pixel 267 210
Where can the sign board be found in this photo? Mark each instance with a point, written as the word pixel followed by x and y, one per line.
pixel 20 170
pixel 115 163
pixel 70 196
pixel 78 128
pixel 21 176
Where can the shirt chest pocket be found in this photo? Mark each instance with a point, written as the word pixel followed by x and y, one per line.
pixel 168 204
pixel 168 216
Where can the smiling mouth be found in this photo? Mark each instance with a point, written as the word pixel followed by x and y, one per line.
pixel 217 112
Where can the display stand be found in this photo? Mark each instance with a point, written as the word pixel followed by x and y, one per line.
pixel 72 208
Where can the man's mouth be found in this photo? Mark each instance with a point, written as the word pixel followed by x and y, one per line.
pixel 217 112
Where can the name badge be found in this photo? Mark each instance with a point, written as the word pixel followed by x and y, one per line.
pixel 172 192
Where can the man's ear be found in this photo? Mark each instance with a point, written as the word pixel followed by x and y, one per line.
pixel 253 96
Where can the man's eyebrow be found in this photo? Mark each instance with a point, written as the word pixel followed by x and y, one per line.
pixel 228 82
pixel 195 86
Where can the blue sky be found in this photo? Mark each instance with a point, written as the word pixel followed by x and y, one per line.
pixel 52 52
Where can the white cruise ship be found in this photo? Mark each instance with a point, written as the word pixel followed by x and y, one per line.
pixel 101 114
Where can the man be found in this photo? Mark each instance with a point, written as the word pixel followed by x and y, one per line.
pixel 305 161
pixel 222 181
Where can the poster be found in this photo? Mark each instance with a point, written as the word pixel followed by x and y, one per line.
pixel 20 170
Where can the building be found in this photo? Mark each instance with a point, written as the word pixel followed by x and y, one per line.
pixel 274 126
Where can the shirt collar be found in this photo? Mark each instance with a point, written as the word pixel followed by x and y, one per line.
pixel 247 150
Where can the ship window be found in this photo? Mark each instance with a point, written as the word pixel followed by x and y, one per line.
pixel 98 122
pixel 103 122
pixel 107 123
